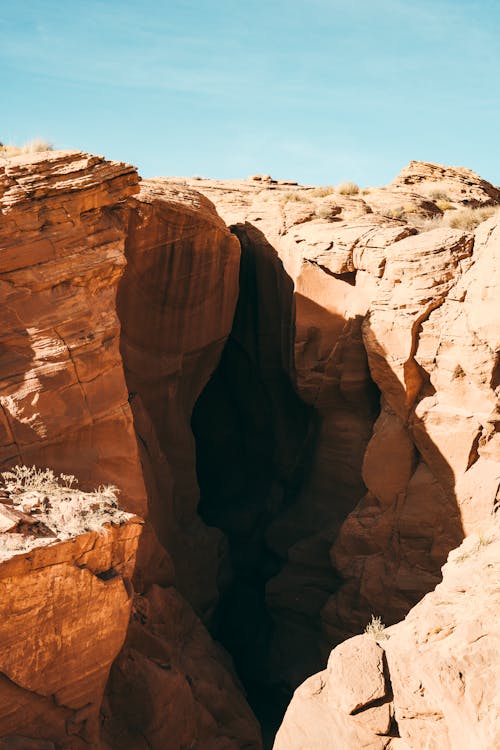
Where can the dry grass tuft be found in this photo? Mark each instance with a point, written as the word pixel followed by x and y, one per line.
pixel 36 145
pixel 295 195
pixel 321 192
pixel 57 505
pixel 327 212
pixel 348 188
pixel 469 218
pixel 444 205
pixel 376 628
pixel 31 147
pixel 439 195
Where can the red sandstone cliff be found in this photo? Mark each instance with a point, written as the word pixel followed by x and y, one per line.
pixel 64 403
pixel 346 370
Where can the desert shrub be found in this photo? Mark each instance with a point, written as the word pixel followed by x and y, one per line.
pixel 348 188
pixel 36 145
pixel 295 195
pixel 57 502
pixel 425 223
pixel 376 628
pixel 444 205
pixel 326 211
pixel 469 218
pixel 321 192
pixel 438 195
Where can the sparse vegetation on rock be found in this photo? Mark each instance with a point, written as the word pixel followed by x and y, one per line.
pixel 348 188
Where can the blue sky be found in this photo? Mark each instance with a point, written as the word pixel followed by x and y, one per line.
pixel 314 90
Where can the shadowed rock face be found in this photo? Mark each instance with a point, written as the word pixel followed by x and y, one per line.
pixel 254 438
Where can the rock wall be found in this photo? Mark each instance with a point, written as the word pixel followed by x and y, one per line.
pixel 63 225
pixel 382 311
pixel 63 399
pixel 65 601
pixel 254 438
pixel 433 351
pixel 427 682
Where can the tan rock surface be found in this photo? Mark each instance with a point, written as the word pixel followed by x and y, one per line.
pixel 63 395
pixel 435 362
pixel 458 184
pixel 420 465
pixel 441 674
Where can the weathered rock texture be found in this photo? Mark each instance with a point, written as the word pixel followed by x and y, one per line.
pixel 433 351
pixel 430 681
pixel 342 386
pixel 254 436
pixel 458 184
pixel 64 403
pixel 65 601
pixel 176 305
pixel 379 309
pixel 63 399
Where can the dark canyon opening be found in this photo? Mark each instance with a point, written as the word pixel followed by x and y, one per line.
pixel 256 439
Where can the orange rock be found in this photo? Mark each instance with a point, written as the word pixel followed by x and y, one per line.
pixel 56 653
pixel 63 399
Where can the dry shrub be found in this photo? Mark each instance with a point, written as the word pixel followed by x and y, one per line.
pixel 469 218
pixel 348 188
pixel 295 195
pixel 57 503
pixel 321 192
pixel 36 145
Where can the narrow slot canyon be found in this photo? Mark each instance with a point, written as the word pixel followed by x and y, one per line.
pixel 283 417
pixel 256 444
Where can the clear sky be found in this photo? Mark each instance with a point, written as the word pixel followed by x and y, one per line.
pixel 314 90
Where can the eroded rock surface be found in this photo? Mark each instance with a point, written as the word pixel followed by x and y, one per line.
pixel 457 184
pixel 64 221
pixel 65 602
pixel 63 399
pixel 430 681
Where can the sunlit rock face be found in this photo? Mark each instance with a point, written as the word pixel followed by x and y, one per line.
pixel 63 398
pixel 429 681
pixel 65 404
pixel 66 563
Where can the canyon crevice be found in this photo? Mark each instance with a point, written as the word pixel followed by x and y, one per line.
pixel 297 391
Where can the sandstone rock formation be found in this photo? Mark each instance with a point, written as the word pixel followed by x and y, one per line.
pixel 176 304
pixel 458 184
pixel 429 681
pixel 64 221
pixel 433 352
pixel 304 410
pixel 63 399
pixel 435 437
pixel 65 601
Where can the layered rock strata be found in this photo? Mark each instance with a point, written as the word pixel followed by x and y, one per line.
pixel 349 259
pixel 65 602
pixel 63 399
pixel 433 350
pixel 65 404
